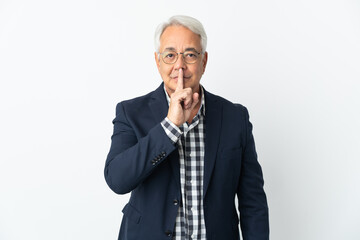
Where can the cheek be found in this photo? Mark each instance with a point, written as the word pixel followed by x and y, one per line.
pixel 198 71
pixel 165 70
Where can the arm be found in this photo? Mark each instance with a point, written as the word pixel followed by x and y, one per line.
pixel 253 207
pixel 131 160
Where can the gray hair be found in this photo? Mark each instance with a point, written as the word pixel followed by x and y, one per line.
pixel 179 20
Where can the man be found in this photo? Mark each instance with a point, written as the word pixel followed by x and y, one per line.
pixel 184 153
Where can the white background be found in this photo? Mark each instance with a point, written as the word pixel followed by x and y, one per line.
pixel 65 64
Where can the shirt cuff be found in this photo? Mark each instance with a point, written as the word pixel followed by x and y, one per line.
pixel 171 130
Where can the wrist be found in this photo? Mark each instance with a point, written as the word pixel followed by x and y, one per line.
pixel 173 121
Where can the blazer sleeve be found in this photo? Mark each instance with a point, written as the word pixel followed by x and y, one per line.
pixel 131 160
pixel 253 206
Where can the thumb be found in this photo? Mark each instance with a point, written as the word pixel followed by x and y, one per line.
pixel 195 100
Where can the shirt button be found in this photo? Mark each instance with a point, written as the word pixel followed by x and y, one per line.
pixel 176 202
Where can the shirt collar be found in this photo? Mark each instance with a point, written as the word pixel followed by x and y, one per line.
pixel 202 107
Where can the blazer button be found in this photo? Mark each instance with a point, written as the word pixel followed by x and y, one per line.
pixel 176 202
pixel 168 233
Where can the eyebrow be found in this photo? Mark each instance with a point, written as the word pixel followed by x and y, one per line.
pixel 170 49
pixel 191 49
pixel 186 49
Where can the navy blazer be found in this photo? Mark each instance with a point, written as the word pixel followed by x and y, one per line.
pixel 142 160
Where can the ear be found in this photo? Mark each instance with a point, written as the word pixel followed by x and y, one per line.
pixel 204 61
pixel 157 60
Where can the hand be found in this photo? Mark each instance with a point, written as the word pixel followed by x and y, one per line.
pixel 182 102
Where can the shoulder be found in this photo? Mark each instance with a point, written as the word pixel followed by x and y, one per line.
pixel 226 105
pixel 135 102
pixel 140 102
pixel 234 117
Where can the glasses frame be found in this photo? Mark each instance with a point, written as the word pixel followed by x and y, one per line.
pixel 177 56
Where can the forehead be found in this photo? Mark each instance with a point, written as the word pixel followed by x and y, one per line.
pixel 179 38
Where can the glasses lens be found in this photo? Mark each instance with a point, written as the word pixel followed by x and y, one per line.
pixel 169 57
pixel 190 56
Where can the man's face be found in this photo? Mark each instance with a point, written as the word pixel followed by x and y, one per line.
pixel 180 39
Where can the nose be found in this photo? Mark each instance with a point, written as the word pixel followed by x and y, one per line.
pixel 179 62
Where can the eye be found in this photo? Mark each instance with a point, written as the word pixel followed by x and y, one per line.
pixel 190 55
pixel 169 55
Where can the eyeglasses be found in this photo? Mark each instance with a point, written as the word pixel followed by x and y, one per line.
pixel 189 57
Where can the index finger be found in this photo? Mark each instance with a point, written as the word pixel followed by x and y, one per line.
pixel 180 80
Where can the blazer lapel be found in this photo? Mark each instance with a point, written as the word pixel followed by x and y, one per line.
pixel 159 107
pixel 213 113
pixel 158 104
